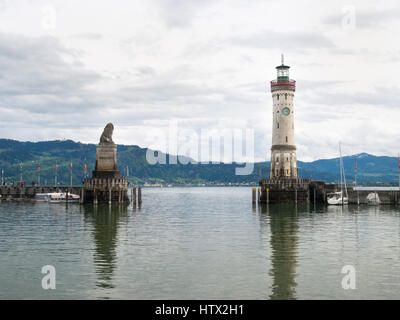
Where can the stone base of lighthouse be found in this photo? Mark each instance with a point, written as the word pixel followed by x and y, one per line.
pixel 292 190
pixel 283 162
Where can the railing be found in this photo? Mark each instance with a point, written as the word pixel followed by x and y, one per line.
pixel 290 82
pixel 285 182
pixel 96 182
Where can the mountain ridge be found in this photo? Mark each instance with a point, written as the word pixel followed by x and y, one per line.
pixel 371 168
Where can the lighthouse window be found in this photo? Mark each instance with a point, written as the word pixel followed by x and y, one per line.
pixel 278 125
pixel 286 139
pixel 287 171
pixel 277 97
pixel 285 96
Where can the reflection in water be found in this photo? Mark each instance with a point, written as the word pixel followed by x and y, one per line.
pixel 105 220
pixel 284 227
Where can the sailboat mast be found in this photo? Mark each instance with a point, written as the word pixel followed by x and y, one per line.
pixel 342 168
pixel 344 179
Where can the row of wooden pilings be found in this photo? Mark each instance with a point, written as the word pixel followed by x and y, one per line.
pixel 139 196
pixel 256 195
pixel 136 198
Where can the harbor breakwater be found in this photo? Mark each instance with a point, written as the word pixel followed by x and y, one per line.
pixel 308 191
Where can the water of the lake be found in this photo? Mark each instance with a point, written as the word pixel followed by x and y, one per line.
pixel 198 243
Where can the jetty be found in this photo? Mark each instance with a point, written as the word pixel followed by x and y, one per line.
pixel 309 191
pixel 29 192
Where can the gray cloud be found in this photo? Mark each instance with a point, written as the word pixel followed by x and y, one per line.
pixel 35 76
pixel 382 96
pixel 180 13
pixel 293 42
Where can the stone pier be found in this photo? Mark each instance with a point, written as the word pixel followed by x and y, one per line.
pixel 99 190
pixel 285 190
pixel 309 191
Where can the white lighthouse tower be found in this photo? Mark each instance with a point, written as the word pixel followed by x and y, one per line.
pixel 283 150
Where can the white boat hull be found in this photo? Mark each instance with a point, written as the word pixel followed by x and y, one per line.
pixel 338 201
pixel 56 197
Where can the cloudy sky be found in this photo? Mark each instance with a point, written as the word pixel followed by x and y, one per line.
pixel 69 67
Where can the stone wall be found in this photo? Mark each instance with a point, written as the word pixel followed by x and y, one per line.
pixel 284 190
pixel 105 191
pixel 385 196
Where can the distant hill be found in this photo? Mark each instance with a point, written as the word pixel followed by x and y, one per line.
pixel 371 169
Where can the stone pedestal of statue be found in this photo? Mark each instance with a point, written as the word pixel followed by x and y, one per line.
pixel 106 162
pixel 107 185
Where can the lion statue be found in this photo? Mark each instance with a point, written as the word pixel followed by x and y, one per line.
pixel 106 136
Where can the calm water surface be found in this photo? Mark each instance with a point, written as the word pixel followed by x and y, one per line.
pixel 198 243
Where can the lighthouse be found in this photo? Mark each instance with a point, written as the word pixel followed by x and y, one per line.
pixel 284 184
pixel 283 149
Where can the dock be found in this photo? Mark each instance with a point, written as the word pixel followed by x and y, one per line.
pixel 29 192
pixel 309 191
pixel 17 193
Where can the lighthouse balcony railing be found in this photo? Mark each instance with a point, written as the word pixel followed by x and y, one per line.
pixel 289 82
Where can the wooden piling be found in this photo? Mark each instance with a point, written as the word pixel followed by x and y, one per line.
pixel 295 195
pixel 258 195
pixel 109 195
pixel 267 195
pixel 139 195
pixel 133 190
pixel 95 196
pixel 315 196
pixel 253 197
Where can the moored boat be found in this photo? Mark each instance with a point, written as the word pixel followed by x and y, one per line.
pixel 339 198
pixel 336 198
pixel 56 197
pixel 373 199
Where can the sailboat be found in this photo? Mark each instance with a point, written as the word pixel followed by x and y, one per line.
pixel 338 198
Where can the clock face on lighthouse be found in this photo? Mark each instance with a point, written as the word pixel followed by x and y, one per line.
pixel 286 111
